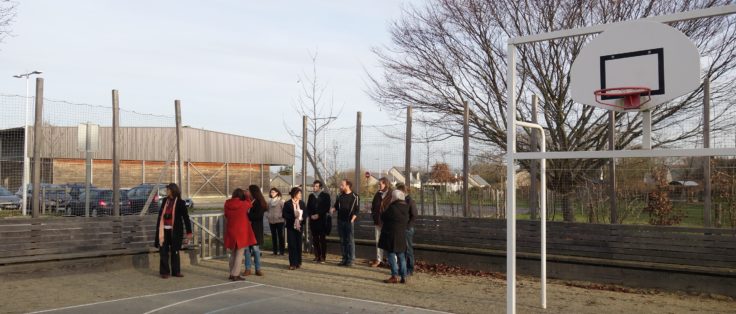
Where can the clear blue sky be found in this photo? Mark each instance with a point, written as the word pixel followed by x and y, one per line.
pixel 234 64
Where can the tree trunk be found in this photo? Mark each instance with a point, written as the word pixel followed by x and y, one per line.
pixel 567 212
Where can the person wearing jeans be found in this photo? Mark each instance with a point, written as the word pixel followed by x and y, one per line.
pixel 255 252
pixel 397 262
pixel 393 236
pixel 410 229
pixel 347 207
pixel 255 214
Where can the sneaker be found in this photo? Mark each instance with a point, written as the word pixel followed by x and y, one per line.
pixel 259 273
pixel 246 273
pixel 392 280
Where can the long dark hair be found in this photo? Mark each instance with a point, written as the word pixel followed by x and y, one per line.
pixel 255 191
pixel 239 194
pixel 175 192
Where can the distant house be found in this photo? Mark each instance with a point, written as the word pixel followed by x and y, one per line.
pixel 396 175
pixel 476 181
pixel 284 184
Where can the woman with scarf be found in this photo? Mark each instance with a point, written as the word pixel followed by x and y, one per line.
pixel 173 218
pixel 239 234
pixel 293 213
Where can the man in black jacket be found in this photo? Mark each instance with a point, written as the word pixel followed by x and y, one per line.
pixel 347 206
pixel 380 202
pixel 318 206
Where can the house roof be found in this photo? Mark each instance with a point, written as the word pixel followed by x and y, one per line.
pixel 478 179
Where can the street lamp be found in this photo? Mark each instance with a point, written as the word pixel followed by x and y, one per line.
pixel 26 163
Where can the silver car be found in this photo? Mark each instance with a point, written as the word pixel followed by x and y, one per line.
pixel 8 201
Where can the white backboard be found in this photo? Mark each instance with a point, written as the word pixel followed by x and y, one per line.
pixel 82 133
pixel 636 54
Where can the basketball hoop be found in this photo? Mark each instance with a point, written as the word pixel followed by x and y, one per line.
pixel 630 95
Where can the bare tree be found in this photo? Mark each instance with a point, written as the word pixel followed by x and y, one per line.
pixel 7 16
pixel 319 107
pixel 451 52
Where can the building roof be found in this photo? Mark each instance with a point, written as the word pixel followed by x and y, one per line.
pixel 478 179
pixel 156 144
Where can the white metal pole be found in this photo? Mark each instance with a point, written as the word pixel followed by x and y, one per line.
pixel 543 209
pixel 26 161
pixel 543 219
pixel 510 182
pixel 646 136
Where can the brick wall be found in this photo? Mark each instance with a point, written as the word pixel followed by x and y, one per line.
pixel 131 174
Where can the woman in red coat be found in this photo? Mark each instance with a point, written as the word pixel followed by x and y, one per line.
pixel 239 233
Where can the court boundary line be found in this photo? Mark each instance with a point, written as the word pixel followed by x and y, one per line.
pixel 249 302
pixel 253 285
pixel 356 299
pixel 201 297
pixel 132 298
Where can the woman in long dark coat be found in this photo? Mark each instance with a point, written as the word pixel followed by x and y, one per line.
pixel 395 220
pixel 293 213
pixel 173 218
pixel 255 214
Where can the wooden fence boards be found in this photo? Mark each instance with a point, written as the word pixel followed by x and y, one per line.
pixel 696 247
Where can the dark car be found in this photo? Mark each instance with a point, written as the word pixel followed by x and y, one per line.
pixel 139 195
pixel 8 200
pixel 100 203
pixel 53 196
pixel 75 189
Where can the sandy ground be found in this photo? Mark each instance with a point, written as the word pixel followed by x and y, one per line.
pixel 458 294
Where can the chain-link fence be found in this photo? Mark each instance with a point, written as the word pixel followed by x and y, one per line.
pixel 76 158
pixel 670 191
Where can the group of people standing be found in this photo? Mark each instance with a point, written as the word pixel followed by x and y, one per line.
pixel 392 210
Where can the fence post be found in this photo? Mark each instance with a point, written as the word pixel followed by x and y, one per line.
pixel 358 136
pixel 407 151
pixel 707 218
pixel 612 167
pixel 466 159
pixel 304 155
pixel 434 201
pixel 37 141
pixel 534 169
pixel 115 153
pixel 179 139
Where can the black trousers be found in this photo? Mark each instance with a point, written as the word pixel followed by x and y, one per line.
pixel 167 251
pixel 277 238
pixel 319 240
pixel 295 246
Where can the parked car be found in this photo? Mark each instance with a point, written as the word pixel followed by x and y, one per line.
pixel 100 203
pixel 53 196
pixel 75 189
pixel 139 195
pixel 8 200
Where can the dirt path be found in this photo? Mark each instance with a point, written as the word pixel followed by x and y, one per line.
pixel 459 294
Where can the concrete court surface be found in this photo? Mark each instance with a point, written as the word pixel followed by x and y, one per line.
pixel 238 297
